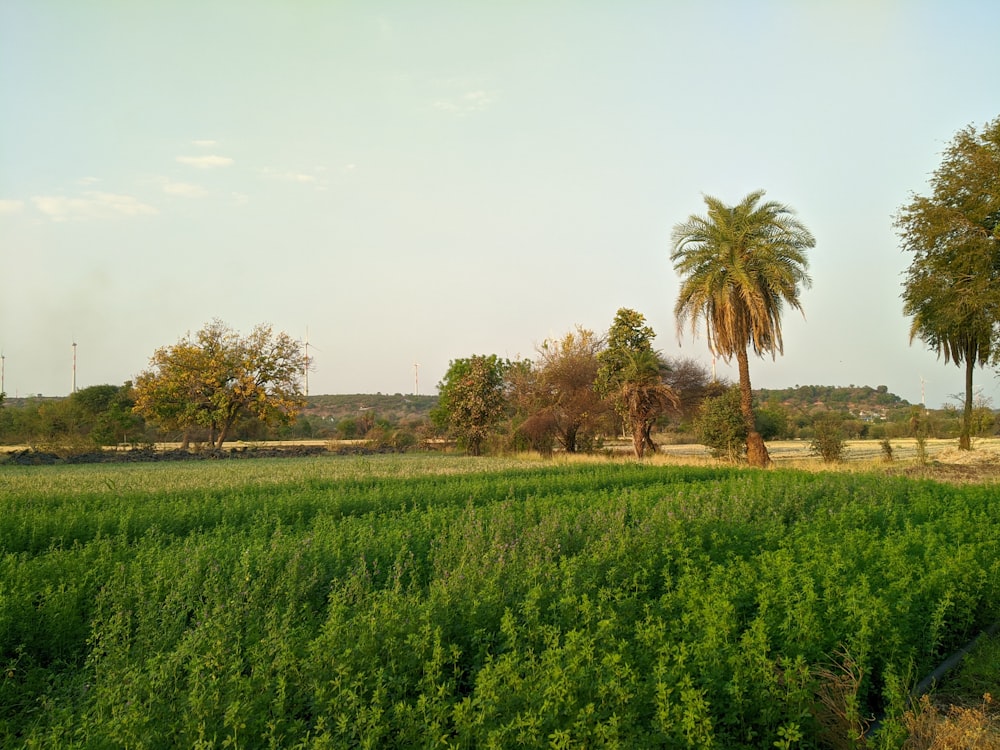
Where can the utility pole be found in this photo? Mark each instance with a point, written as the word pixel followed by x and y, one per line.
pixel 306 368
pixel 416 378
pixel 3 362
pixel 74 366
pixel 308 361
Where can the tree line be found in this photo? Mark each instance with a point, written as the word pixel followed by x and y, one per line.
pixel 740 266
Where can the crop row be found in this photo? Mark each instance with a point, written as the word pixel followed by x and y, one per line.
pixel 605 605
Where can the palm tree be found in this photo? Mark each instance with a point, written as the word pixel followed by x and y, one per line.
pixel 644 396
pixel 739 265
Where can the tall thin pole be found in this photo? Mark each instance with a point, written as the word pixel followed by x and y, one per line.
pixel 3 363
pixel 74 367
pixel 416 378
pixel 306 369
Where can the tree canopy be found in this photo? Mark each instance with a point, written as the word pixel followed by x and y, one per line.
pixel 472 399
pixel 645 396
pixel 952 286
pixel 739 266
pixel 217 377
pixel 627 335
pixel 631 377
pixel 563 390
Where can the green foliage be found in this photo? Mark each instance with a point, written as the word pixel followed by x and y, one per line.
pixel 886 445
pixel 631 376
pixel 644 396
pixel 396 407
pixel 347 428
pixel 472 400
pixel 952 286
pixel 720 425
pixel 828 437
pixel 739 266
pixel 772 422
pixel 89 418
pixel 842 397
pixel 218 377
pixel 398 602
pixel 107 413
pixel 627 335
pixel 561 391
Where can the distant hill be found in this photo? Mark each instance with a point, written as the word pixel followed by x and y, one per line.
pixel 396 408
pixel 854 399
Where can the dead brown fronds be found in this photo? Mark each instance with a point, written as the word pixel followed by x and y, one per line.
pixel 953 728
pixel 842 724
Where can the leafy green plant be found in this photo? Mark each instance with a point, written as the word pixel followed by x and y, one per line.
pixel 392 601
pixel 886 445
pixel 720 425
pixel 828 437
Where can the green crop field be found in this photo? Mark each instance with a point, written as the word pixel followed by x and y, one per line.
pixel 400 602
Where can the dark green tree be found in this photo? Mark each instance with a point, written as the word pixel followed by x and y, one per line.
pixel 644 396
pixel 739 265
pixel 627 336
pixel 105 413
pixel 828 437
pixel 720 425
pixel 952 287
pixel 472 400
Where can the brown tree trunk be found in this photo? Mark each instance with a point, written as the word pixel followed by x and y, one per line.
pixel 757 454
pixel 569 438
pixel 965 437
pixel 638 438
pixel 647 436
pixel 223 434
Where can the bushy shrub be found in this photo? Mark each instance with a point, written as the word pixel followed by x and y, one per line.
pixel 886 447
pixel 828 437
pixel 720 426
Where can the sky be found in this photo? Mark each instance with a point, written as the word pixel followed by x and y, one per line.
pixel 408 183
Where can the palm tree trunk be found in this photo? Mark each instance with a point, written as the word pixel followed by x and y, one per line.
pixel 757 454
pixel 965 437
pixel 638 438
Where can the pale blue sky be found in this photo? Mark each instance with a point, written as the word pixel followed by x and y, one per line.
pixel 421 181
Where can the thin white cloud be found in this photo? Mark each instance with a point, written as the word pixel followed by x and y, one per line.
pixel 466 104
pixel 302 178
pixel 184 189
pixel 92 205
pixel 204 143
pixel 210 161
pixel 11 207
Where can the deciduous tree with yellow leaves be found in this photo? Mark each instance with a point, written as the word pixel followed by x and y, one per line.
pixel 216 377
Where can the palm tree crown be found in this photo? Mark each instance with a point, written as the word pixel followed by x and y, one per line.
pixel 740 264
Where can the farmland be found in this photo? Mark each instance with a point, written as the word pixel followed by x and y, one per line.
pixel 412 601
